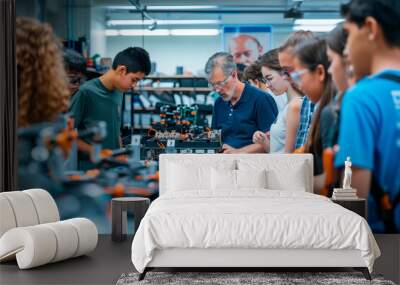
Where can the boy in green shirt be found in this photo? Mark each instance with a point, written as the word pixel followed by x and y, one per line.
pixel 100 99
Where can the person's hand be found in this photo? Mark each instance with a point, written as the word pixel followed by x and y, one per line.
pixel 228 149
pixel 93 172
pixel 122 158
pixel 259 137
pixel 104 153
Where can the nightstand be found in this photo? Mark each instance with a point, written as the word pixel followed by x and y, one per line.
pixel 119 208
pixel 358 206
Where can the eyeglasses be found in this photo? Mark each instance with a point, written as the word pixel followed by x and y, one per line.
pixel 263 80
pixel 75 79
pixel 220 84
pixel 296 75
pixel 286 70
pixel 267 80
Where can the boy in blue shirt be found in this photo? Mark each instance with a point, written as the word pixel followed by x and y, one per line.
pixel 241 108
pixel 370 115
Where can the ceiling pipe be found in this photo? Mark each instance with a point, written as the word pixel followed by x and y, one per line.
pixel 142 10
pixel 229 11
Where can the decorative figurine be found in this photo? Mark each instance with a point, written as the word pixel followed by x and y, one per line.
pixel 347 174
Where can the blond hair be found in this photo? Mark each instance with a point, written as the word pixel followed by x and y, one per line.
pixel 42 83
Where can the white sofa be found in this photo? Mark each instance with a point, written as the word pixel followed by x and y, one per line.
pixel 31 231
pixel 258 210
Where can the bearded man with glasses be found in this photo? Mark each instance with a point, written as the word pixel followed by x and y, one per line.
pixel 241 108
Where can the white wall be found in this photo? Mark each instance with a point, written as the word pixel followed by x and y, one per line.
pixel 97 34
pixel 279 37
pixel 169 52
pixel 193 52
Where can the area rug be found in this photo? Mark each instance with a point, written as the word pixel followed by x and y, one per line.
pixel 242 278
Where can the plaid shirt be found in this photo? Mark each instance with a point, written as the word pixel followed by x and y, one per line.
pixel 306 112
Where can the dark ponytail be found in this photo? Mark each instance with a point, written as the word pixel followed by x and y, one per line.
pixel 336 39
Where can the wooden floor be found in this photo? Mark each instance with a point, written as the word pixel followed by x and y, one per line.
pixel 389 263
pixel 110 259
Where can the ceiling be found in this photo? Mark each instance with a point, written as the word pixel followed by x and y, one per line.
pixel 222 12
pixel 309 4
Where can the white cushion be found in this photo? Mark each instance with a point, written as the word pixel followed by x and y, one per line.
pixel 223 179
pixel 87 235
pixel 251 178
pixel 278 179
pixel 7 218
pixel 67 239
pixel 32 246
pixel 37 245
pixel 190 165
pixel 226 179
pixel 290 175
pixel 26 208
pixel 45 205
pixel 23 208
pixel 184 176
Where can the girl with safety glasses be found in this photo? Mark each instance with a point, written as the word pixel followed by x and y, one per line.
pixel 311 66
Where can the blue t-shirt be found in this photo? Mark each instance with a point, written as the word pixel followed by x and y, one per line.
pixel 370 135
pixel 255 111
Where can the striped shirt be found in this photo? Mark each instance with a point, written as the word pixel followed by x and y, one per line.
pixel 306 112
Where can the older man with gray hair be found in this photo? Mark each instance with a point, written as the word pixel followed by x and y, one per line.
pixel 241 108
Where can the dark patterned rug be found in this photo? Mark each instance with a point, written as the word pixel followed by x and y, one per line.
pixel 229 278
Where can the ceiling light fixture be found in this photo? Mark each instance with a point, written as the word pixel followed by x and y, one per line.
pixel 194 32
pixel 162 32
pixel 192 7
pixel 143 32
pixel 316 25
pixel 196 7
pixel 317 22
pixel 161 22
pixel 314 28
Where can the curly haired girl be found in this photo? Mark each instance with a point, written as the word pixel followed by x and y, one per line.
pixel 42 85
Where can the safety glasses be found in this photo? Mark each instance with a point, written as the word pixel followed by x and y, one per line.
pixel 296 75
pixel 220 84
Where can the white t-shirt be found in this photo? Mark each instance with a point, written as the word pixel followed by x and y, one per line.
pixel 278 131
pixel 280 100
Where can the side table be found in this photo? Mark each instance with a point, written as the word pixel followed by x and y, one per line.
pixel 119 208
pixel 358 206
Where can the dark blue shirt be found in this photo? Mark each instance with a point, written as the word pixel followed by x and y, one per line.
pixel 255 111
